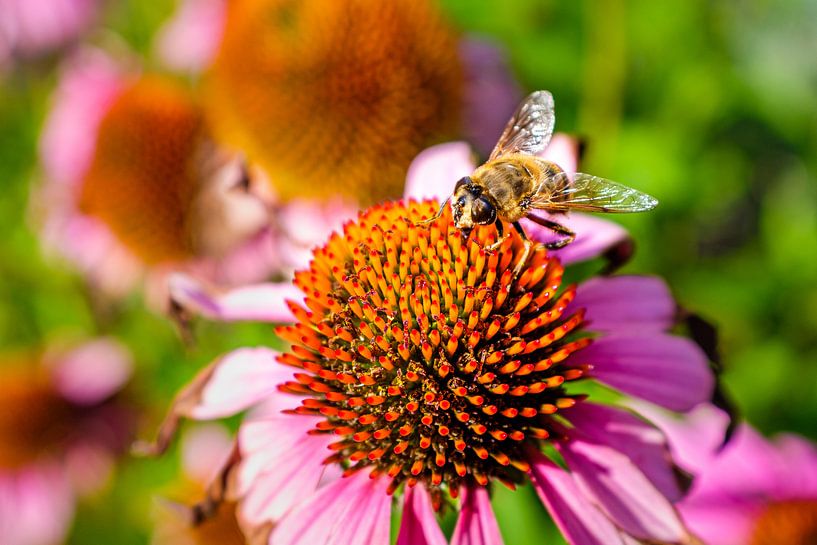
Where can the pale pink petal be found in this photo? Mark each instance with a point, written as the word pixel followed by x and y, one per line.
pixel 419 524
pixel 250 262
pixel 239 380
pixel 434 171
pixel 92 372
pixel 594 236
pixel 306 224
pixel 564 151
pixel 622 490
pixel 260 302
pixel 579 520
pixel 36 506
pixel 89 82
pixel 695 437
pixel 233 383
pixel 645 445
pixel 34 27
pixel 205 449
pixel 281 466
pixel 89 467
pixel 631 304
pixel 491 92
pixel 477 523
pixel 721 522
pixel 190 39
pixel 669 371
pixel 350 511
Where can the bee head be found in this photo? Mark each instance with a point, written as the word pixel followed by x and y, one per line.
pixel 471 206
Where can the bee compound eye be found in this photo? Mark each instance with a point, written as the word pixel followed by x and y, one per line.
pixel 483 212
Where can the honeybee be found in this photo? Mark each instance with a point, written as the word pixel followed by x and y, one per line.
pixel 514 181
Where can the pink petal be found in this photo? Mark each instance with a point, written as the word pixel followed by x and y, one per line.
pixel 350 511
pixel 260 302
pixel 190 39
pixel 694 437
pixel 434 172
pixel 419 525
pixel 579 520
pixel 205 449
pixel 622 431
pixel 491 92
pixel 281 466
pixel 594 236
pixel 93 372
pixel 477 524
pixel 564 151
pixel 630 304
pixel 240 380
pixel 298 238
pixel 36 506
pixel 89 83
pixel 669 371
pixel 233 383
pixel 799 461
pixel 622 490
pixel 721 522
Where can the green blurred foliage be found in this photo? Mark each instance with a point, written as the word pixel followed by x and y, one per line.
pixel 709 106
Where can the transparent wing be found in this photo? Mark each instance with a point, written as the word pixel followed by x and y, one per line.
pixel 589 193
pixel 530 128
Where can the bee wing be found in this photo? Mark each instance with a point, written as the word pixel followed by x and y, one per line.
pixel 530 128
pixel 560 193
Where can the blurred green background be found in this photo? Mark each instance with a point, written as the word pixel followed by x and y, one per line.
pixel 709 106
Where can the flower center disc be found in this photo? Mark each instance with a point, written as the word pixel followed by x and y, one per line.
pixel 424 353
pixel 141 180
pixel 791 522
pixel 335 98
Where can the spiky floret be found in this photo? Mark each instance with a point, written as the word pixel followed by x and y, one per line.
pixel 425 355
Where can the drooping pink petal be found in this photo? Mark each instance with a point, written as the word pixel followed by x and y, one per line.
pixel 578 519
pixel 694 437
pixel 721 522
pixel 630 304
pixel 233 383
pixel 260 302
pixel 419 525
pixel 622 490
pixel 669 371
pixel 477 524
pixel 92 372
pixel 491 92
pixel 350 511
pixel 190 39
pixel 435 170
pixel 644 444
pixel 281 466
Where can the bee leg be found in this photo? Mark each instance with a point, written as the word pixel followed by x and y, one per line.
pixel 526 252
pixel 435 216
pixel 501 236
pixel 569 236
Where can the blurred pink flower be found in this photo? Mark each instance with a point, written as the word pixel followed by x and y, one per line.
pixel 189 40
pixel 232 246
pixel 390 387
pixel 29 28
pixel 755 491
pixel 61 424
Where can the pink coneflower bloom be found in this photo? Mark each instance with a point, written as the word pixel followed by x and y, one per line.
pixel 424 368
pixel 754 491
pixel 135 186
pixel 431 175
pixel 61 423
pixel 29 28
